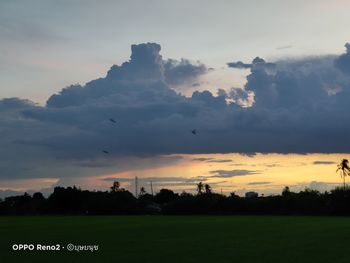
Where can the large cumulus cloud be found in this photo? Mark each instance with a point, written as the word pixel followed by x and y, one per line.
pixel 292 106
pixel 343 61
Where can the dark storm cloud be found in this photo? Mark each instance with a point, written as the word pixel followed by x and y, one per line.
pixel 297 106
pixel 178 72
pixel 255 63
pixel 232 173
pixel 343 61
pixel 239 64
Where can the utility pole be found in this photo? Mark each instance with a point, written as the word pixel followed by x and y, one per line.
pixel 151 188
pixel 136 188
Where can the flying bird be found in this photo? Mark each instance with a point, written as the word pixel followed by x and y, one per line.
pixel 106 152
pixel 194 132
pixel 112 120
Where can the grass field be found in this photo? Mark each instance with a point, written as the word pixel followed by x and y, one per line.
pixel 179 238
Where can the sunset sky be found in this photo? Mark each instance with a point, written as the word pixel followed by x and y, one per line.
pixel 266 85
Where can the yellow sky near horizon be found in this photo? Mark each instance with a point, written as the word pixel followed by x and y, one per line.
pixel 264 173
pixel 269 172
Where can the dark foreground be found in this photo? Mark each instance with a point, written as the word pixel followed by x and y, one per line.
pixel 178 238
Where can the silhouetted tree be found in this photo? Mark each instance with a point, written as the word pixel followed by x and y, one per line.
pixel 207 188
pixel 38 196
pixel 286 191
pixel 344 169
pixel 185 194
pixel 165 196
pixel 73 200
pixel 146 198
pixel 233 195
pixel 200 187
pixel 115 187
pixel 142 191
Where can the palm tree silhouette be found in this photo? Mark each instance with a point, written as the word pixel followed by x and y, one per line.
pixel 207 188
pixel 344 169
pixel 142 191
pixel 200 187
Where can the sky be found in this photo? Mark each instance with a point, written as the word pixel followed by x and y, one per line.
pixel 265 84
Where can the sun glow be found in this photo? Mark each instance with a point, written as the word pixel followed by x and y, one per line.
pixel 264 173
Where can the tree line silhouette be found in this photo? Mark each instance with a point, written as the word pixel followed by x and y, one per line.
pixel 73 200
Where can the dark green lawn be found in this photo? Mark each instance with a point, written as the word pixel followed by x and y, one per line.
pixel 179 238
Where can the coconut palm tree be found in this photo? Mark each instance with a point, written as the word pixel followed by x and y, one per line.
pixel 200 187
pixel 142 191
pixel 207 188
pixel 344 169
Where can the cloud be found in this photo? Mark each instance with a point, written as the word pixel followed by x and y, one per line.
pixel 257 62
pixel 259 183
pixel 232 173
pixel 239 65
pixel 239 96
pixel 211 160
pixel 296 106
pixel 7 193
pixel 343 61
pixel 201 159
pixel 220 161
pixel 323 162
pixel 284 47
pixel 315 185
pixel 22 31
pixel 322 186
pixel 178 72
pixel 248 154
